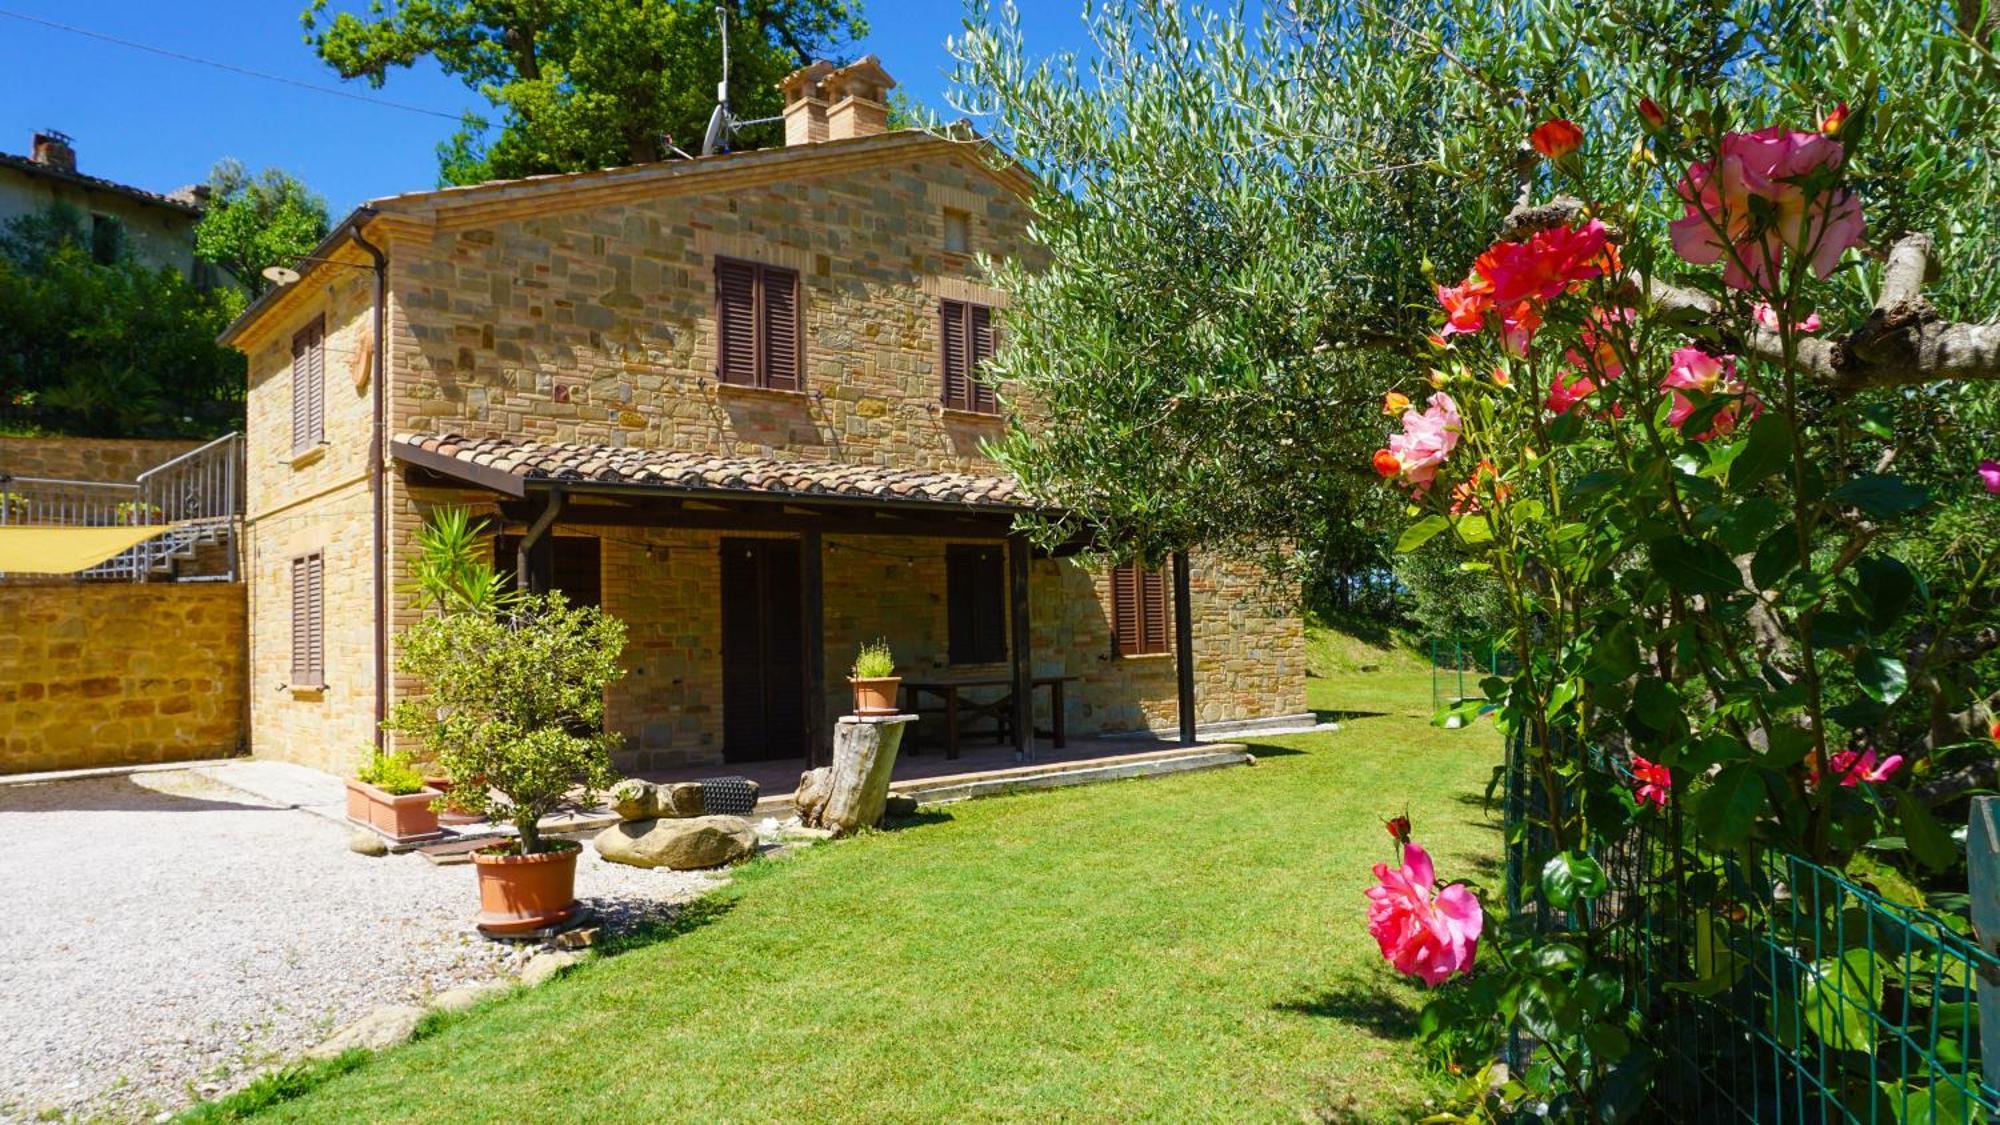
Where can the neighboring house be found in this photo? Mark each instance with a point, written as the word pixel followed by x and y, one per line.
pixel 157 230
pixel 730 399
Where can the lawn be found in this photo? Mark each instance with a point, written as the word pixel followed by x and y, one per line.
pixel 1189 947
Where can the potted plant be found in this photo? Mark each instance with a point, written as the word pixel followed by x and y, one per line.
pixel 389 796
pixel 874 679
pixel 514 696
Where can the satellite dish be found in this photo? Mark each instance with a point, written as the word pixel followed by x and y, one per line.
pixel 280 275
pixel 718 127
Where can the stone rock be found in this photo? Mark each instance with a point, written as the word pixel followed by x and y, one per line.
pixel 683 844
pixel 899 804
pixel 384 1027
pixel 814 787
pixel 544 967
pixel 633 799
pixel 466 995
pixel 678 799
pixel 365 842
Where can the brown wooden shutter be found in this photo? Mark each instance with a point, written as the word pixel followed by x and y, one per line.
pixel 309 387
pixel 736 322
pixel 1126 630
pixel 953 357
pixel 781 334
pixel 1153 610
pixel 308 621
pixel 982 399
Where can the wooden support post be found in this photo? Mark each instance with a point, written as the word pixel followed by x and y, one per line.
pixel 1982 853
pixel 1021 654
pixel 812 609
pixel 535 561
pixel 1184 647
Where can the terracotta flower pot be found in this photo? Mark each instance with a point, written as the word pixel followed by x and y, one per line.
pixel 405 819
pixel 453 814
pixel 875 696
pixel 520 893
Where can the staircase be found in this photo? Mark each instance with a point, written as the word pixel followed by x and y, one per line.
pixel 197 496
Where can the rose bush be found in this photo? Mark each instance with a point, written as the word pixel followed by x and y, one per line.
pixel 1697 530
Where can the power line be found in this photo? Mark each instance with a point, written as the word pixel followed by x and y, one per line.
pixel 230 67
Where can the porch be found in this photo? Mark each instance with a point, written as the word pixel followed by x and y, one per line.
pixel 747 583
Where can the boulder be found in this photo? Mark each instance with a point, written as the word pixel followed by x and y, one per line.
pixel 683 844
pixel 678 799
pixel 365 842
pixel 810 800
pixel 899 805
pixel 466 995
pixel 544 967
pixel 633 799
pixel 384 1027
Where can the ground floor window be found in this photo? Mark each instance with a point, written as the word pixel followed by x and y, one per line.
pixel 1139 610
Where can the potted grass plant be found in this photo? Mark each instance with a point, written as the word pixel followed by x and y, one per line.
pixel 874 679
pixel 513 697
pixel 389 795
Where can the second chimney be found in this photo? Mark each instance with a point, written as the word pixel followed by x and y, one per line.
pixel 859 97
pixel 54 150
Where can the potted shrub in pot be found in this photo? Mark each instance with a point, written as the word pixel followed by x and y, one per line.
pixel 514 696
pixel 389 796
pixel 874 679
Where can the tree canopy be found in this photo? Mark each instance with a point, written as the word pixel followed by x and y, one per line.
pixel 252 222
pixel 580 84
pixel 115 349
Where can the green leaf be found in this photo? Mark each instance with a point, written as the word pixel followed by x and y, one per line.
pixel 1726 809
pixel 1693 566
pixel 1768 451
pixel 1889 587
pixel 1658 704
pixel 1474 530
pixel 1571 877
pixel 1789 746
pixel 1420 533
pixel 1839 630
pixel 1926 838
pixel 1839 997
pixel 1776 556
pixel 1881 495
pixel 1883 677
pixel 1939 1101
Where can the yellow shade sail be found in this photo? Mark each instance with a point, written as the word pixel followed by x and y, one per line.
pixel 66 550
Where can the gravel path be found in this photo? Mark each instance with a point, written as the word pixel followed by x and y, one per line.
pixel 176 935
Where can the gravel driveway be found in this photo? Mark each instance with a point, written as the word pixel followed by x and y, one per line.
pixel 174 934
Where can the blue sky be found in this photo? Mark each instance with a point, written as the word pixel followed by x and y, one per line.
pixel 158 123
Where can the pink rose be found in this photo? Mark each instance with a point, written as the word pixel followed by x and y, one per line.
pixel 1424 932
pixel 1718 224
pixel 1698 372
pixel 1428 438
pixel 1566 392
pixel 1989 475
pixel 1655 782
pixel 1767 316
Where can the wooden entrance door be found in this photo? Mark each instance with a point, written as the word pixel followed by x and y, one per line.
pixel 763 651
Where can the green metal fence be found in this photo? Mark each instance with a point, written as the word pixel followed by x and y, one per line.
pixel 1457 666
pixel 1779 990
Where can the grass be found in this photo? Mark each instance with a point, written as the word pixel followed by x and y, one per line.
pixel 1188 947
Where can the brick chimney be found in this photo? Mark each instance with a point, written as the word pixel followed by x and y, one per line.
pixel 805 103
pixel 858 97
pixel 53 149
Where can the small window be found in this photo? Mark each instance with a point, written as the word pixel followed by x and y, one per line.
pixel 578 570
pixel 957 232
pixel 309 387
pixel 309 622
pixel 1138 610
pixel 760 332
pixel 107 238
pixel 965 334
pixel 976 593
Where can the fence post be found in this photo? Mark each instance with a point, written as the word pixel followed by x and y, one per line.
pixel 1982 851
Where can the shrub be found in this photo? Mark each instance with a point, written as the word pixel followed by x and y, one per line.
pixel 874 661
pixel 391 773
pixel 516 699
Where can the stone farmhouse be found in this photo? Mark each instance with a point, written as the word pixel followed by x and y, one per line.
pixel 156 229
pixel 735 400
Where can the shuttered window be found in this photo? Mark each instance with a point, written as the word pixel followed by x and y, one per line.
pixel 1138 610
pixel 965 332
pixel 975 595
pixel 308 621
pixel 760 334
pixel 309 387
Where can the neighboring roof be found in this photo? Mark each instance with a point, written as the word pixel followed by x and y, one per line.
pixel 575 190
pixel 506 465
pixel 35 168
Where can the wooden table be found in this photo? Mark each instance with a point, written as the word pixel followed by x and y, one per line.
pixel 948 690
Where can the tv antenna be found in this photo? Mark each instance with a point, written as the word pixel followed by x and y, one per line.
pixel 723 124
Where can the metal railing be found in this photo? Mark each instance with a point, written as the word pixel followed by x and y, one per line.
pixel 198 496
pixel 1775 989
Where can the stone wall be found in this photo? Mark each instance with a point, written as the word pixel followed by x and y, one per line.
pixel 118 673
pixel 117 460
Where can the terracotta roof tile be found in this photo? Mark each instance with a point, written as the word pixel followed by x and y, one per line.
pixel 611 465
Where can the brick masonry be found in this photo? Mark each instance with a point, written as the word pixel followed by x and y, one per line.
pixel 541 318
pixel 118 673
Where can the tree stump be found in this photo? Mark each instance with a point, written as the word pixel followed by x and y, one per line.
pixel 852 792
